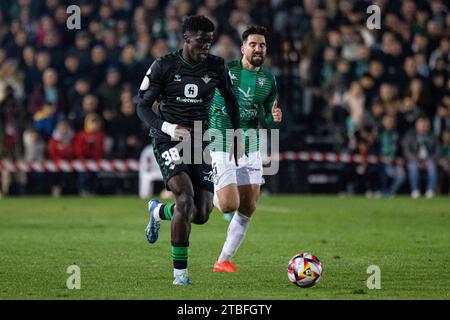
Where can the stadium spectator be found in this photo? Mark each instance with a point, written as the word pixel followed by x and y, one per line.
pixel 61 147
pixel 126 129
pixel 49 92
pixel 76 94
pixel 89 104
pixel 226 48
pixel 43 62
pixel 105 16
pixel 98 66
pixel 60 19
pixel 371 173
pixel 45 28
pixel 71 72
pixel 444 163
pixel 420 95
pixel 16 45
pixel 109 93
pixel 89 145
pixel 421 150
pixel 44 120
pixel 131 70
pixel 123 34
pixel 81 49
pixel 393 174
pixel 28 65
pixel 34 150
pixel 111 46
pixel 12 125
pixel 11 76
pixel 353 101
pixel 441 121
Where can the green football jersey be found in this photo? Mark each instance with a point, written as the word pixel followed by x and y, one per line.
pixel 256 93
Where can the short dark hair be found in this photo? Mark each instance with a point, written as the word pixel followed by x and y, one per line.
pixel 423 116
pixel 254 30
pixel 197 23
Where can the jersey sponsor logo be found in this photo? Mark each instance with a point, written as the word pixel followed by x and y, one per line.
pixel 189 100
pixel 247 95
pixel 177 78
pixel 190 90
pixel 249 114
pixel 246 98
pixel 261 81
pixel 206 78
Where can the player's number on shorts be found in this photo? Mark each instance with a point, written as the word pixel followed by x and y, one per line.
pixel 170 156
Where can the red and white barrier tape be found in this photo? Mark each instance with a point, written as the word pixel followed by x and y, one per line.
pixel 71 166
pixel 131 165
pixel 329 157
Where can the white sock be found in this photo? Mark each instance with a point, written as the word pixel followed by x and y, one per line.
pixel 216 202
pixel 236 233
pixel 156 212
pixel 180 272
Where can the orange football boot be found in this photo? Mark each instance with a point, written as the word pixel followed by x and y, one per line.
pixel 226 266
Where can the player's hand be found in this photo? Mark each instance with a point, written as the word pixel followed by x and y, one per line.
pixel 276 112
pixel 176 131
pixel 182 133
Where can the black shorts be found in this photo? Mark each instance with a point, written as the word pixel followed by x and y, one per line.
pixel 170 162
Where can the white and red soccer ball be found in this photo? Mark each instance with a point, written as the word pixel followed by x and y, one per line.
pixel 304 270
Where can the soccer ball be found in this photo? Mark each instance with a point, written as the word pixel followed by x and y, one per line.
pixel 304 270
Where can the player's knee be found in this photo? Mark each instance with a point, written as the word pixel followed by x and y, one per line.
pixel 229 205
pixel 185 205
pixel 247 208
pixel 200 217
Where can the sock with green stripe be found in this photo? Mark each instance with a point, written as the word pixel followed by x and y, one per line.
pixel 164 211
pixel 180 255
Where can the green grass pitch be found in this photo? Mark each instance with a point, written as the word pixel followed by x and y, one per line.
pixel 408 239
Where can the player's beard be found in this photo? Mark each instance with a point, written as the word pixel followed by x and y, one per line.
pixel 257 62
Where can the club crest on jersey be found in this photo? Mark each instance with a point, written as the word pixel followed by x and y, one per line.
pixel 261 81
pixel 177 78
pixel 208 176
pixel 206 78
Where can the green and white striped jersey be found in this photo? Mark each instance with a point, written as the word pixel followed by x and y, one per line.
pixel 256 93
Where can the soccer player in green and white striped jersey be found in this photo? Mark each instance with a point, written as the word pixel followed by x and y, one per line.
pixel 237 187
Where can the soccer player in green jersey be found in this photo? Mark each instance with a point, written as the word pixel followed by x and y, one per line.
pixel 237 187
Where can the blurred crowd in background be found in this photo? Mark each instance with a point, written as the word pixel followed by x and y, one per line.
pixel 69 94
